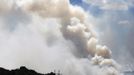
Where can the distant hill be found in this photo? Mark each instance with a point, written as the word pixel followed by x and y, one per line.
pixel 22 71
pixel 129 73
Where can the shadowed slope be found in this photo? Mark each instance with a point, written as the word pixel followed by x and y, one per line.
pixel 21 71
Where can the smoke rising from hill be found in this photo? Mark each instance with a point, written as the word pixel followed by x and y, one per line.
pixel 51 34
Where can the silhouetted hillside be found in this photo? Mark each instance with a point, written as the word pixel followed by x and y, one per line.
pixel 21 71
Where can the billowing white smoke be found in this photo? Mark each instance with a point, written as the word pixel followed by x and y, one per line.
pixel 49 35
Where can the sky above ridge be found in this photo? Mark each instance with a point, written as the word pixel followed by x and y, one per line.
pixel 77 37
pixel 114 23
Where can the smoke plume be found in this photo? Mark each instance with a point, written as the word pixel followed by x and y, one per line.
pixel 49 35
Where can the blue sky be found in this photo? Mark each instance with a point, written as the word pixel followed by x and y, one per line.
pixel 114 22
pixel 45 35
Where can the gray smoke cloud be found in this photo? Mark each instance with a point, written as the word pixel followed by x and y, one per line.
pixel 115 28
pixel 49 35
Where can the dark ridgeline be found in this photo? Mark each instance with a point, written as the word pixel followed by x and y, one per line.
pixel 22 71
